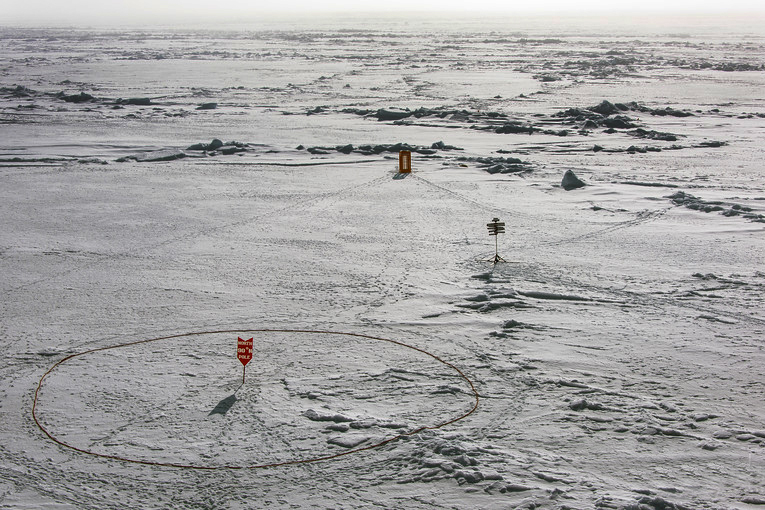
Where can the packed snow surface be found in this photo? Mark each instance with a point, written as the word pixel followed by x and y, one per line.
pixel 164 191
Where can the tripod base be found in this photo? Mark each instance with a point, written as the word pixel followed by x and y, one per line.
pixel 496 259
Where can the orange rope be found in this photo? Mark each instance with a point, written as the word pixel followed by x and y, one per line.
pixel 258 466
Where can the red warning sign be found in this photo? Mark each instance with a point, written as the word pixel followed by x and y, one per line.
pixel 244 350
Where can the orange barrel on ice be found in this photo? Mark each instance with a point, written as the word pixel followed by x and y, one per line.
pixel 404 162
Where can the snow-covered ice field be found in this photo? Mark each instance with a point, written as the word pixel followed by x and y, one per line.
pixel 201 183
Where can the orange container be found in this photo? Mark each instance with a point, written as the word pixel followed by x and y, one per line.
pixel 404 162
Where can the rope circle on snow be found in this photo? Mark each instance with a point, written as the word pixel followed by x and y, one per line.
pixel 256 466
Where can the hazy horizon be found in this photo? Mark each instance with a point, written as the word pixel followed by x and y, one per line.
pixel 92 12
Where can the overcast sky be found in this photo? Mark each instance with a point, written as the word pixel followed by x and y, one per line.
pixel 116 11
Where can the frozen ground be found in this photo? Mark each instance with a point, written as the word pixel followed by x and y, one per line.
pixel 617 354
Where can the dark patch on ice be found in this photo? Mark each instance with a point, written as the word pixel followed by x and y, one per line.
pixel 18 91
pixel 655 503
pixel 612 117
pixel 583 404
pixel 712 143
pixel 499 165
pixel 681 198
pixel 397 114
pixel 82 97
pixel 514 487
pixel 618 122
pixel 497 122
pixel 711 318
pixel 369 150
pixel 606 109
pixel 392 114
pixel 514 324
pixel 480 298
pixel 551 478
pixel 137 101
pixel 515 127
pixel 48 353
pixel 571 384
pixel 570 181
pixel 552 296
pixel 605 114
pixel 487 276
pixel 155 156
pixel 466 476
pixel 315 416
pixel 465 460
pixel 444 147
pixel 492 306
pixel 446 389
pixel 440 459
pixel 649 184
pixel 317 110
pixel 753 115
pixel 653 135
pixel 733 66
pixel 96 161
pixel 632 149
pixel 581 120
pixel 318 150
pixel 660 112
pixel 22 161
pixel 547 78
pixel 213 145
pixel 224 405
pixel 214 148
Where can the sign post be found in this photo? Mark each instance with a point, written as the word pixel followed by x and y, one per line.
pixel 244 353
pixel 496 227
